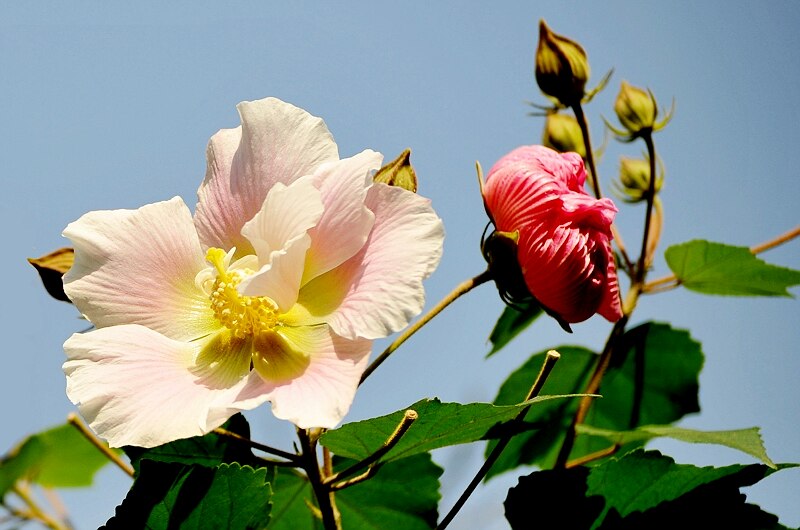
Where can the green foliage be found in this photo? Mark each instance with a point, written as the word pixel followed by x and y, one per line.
pixel 174 495
pixel 745 440
pixel 403 494
pixel 714 268
pixel 652 379
pixel 291 501
pixel 59 457
pixel 639 490
pixel 209 450
pixel 511 323
pixel 439 425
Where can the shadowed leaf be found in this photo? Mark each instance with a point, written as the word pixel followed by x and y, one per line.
pixel 173 495
pixel 639 490
pixel 656 366
pixel 511 323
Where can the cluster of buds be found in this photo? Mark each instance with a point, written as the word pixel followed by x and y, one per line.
pixel 637 111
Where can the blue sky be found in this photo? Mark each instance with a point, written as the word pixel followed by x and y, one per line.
pixel 111 107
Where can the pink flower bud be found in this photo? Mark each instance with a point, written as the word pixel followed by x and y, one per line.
pixel 564 245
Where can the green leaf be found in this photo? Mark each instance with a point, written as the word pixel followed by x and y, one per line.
pixel 173 495
pixel 292 495
pixel 639 490
pixel 209 450
pixel 745 440
pixel 655 366
pixel 714 268
pixel 439 425
pixel 511 323
pixel 540 446
pixel 640 481
pixel 403 494
pixel 59 457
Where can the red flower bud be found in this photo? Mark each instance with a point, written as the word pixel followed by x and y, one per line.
pixel 564 244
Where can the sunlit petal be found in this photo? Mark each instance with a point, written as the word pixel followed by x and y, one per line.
pixel 346 222
pixel 139 267
pixel 379 290
pixel 136 387
pixel 323 393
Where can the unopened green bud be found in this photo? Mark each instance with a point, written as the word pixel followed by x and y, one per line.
pixel 636 109
pixel 562 133
pixel 561 67
pixel 634 177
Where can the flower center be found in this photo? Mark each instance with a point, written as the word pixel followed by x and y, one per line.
pixel 245 316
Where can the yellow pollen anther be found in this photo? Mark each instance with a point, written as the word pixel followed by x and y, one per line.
pixel 246 316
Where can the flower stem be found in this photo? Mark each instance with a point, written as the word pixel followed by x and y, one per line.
pixel 36 512
pixel 76 422
pixel 323 494
pixel 408 419
pixel 292 458
pixel 547 367
pixel 650 195
pixel 591 388
pixel 461 289
pixel 587 142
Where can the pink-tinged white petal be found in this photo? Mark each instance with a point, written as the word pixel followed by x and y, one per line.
pixel 321 395
pixel 139 267
pixel 288 213
pixel 278 142
pixel 347 222
pixel 219 214
pixel 280 279
pixel 379 290
pixel 136 387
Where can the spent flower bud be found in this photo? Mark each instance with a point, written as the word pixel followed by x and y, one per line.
pixel 561 67
pixel 562 133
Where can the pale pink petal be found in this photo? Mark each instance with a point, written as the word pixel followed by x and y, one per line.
pixel 219 215
pixel 280 279
pixel 136 387
pixel 287 213
pixel 139 267
pixel 379 290
pixel 278 143
pixel 323 393
pixel 279 234
pixel 346 223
